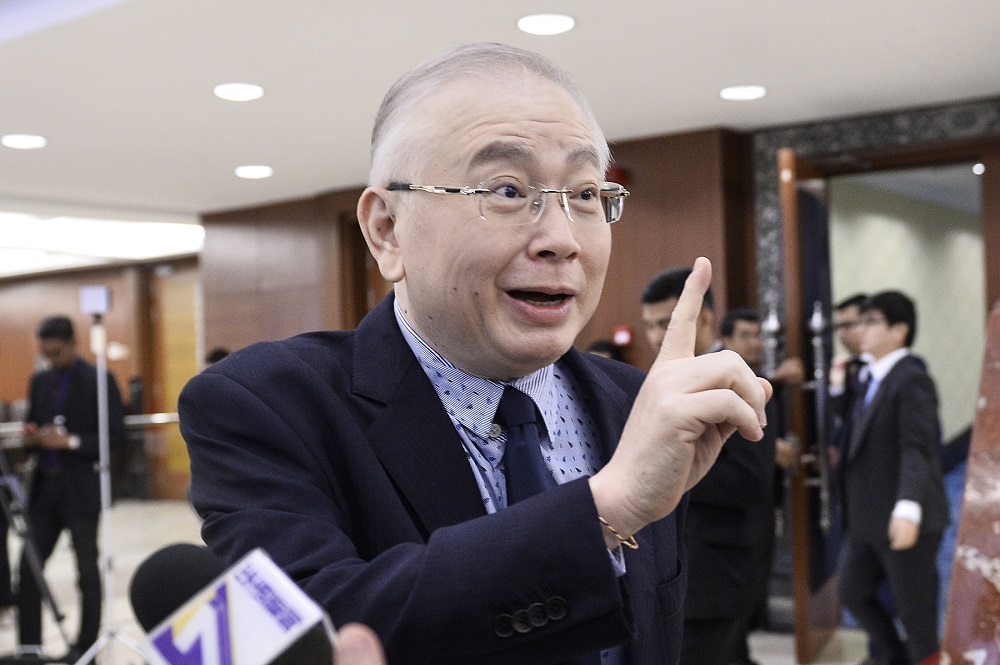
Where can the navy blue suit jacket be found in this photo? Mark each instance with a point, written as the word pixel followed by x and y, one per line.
pixel 333 452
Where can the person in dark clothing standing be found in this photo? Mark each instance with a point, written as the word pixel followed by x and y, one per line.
pixel 62 435
pixel 895 507
pixel 740 331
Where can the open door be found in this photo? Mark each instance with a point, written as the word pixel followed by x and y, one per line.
pixel 814 523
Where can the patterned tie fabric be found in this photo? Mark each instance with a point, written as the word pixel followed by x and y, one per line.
pixel 860 404
pixel 526 472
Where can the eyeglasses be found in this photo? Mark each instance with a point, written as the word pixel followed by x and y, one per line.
pixel 508 201
pixel 847 325
pixel 872 320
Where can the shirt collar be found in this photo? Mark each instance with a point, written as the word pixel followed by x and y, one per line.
pixel 877 369
pixel 69 369
pixel 473 400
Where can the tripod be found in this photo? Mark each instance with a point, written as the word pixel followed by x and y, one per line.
pixel 13 502
pixel 108 635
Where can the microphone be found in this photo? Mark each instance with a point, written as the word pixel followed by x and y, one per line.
pixel 168 578
pixel 198 612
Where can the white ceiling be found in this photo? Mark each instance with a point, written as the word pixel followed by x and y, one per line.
pixel 952 185
pixel 122 89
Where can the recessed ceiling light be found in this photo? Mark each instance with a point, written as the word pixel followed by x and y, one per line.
pixel 546 24
pixel 254 171
pixel 238 92
pixel 743 93
pixel 23 141
pixel 979 169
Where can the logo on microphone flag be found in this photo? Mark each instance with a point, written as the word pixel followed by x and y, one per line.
pixel 248 616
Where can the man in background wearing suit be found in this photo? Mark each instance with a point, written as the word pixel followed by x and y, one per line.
pixel 65 486
pixel 453 473
pixel 730 529
pixel 845 369
pixel 895 507
pixel 659 299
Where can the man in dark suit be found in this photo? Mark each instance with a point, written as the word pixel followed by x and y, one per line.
pixel 65 486
pixel 717 535
pixel 845 368
pixel 723 532
pixel 895 507
pixel 385 468
pixel 761 465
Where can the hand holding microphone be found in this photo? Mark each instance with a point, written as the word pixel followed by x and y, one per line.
pixel 198 612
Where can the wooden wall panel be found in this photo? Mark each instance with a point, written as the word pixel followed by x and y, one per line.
pixel 275 271
pixel 25 302
pixel 176 357
pixel 252 261
pixel 690 196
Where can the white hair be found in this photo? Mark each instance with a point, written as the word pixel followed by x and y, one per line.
pixel 395 151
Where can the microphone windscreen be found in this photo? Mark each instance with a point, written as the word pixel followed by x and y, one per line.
pixel 168 578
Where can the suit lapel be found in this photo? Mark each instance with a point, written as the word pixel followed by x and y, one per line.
pixel 608 403
pixel 412 434
pixel 868 415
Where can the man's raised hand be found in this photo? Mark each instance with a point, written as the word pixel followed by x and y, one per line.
pixel 686 409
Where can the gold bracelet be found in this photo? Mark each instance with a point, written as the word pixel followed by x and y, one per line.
pixel 627 542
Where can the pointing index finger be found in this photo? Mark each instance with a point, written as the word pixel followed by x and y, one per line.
pixel 679 340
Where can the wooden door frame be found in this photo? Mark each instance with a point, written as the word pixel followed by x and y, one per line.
pixel 816 612
pixel 810 640
pixel 984 150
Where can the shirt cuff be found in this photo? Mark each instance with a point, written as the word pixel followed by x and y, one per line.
pixel 617 560
pixel 836 391
pixel 908 510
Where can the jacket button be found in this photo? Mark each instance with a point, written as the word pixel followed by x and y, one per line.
pixel 504 625
pixel 555 608
pixel 537 615
pixel 522 623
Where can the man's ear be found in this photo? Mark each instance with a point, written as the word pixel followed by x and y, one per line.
pixel 378 224
pixel 899 332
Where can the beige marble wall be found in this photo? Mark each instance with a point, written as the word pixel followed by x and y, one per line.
pixel 934 254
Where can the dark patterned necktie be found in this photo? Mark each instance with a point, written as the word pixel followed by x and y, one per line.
pixel 525 470
pixel 858 409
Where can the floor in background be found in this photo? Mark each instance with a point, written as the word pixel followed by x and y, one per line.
pixel 846 647
pixel 139 528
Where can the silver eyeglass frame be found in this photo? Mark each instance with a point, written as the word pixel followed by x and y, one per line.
pixel 612 196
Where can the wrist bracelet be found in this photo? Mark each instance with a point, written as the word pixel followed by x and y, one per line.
pixel 627 542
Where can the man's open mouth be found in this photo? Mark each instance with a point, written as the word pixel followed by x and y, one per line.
pixel 538 298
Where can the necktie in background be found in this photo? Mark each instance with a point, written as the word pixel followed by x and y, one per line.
pixel 858 410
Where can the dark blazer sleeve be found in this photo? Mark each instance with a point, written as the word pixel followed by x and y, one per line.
pixel 81 413
pixel 918 433
pixel 739 478
pixel 368 507
pixel 34 399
